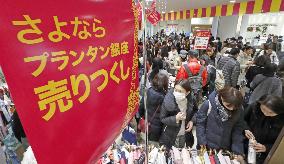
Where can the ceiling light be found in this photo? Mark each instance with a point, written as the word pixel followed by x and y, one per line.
pixel 232 1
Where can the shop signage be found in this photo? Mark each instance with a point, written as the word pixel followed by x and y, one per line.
pixel 153 15
pixel 72 71
pixel 201 40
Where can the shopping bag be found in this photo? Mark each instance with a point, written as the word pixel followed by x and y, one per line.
pixel 153 156
pixel 235 161
pixel 206 158
pixel 186 157
pixel 227 159
pixel 161 159
pixel 129 135
pixel 221 158
pixel 177 156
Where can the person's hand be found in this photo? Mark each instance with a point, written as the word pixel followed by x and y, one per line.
pixel 180 117
pixel 250 63
pixel 259 148
pixel 189 126
pixel 240 159
pixel 249 134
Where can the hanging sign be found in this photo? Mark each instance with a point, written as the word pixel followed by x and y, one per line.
pixel 201 40
pixel 154 17
pixel 72 75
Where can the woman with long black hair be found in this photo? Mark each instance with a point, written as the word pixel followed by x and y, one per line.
pixel 265 119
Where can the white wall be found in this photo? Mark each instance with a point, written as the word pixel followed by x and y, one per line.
pixel 245 21
pixel 184 25
pixel 227 27
pixel 202 21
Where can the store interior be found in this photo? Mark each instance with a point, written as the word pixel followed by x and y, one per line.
pixel 251 23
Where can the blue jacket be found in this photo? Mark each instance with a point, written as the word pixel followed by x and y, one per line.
pixel 214 133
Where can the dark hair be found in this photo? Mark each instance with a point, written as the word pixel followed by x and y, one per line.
pixel 232 96
pixel 262 60
pixel 275 103
pixel 157 64
pixel 160 82
pixel 239 46
pixel 234 51
pixel 267 46
pixel 184 83
pixel 270 69
pixel 193 53
pixel 247 48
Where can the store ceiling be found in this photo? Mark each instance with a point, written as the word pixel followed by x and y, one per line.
pixel 177 5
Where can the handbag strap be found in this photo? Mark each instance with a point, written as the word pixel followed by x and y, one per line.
pixel 154 114
pixel 263 80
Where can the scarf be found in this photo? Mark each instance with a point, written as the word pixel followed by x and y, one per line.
pixel 221 110
pixel 183 107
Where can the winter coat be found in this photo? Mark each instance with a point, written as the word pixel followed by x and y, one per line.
pixel 262 85
pixel 194 67
pixel 265 129
pixel 276 47
pixel 273 57
pixel 17 127
pixel 154 102
pixel 168 117
pixel 252 72
pixel 231 70
pixel 214 133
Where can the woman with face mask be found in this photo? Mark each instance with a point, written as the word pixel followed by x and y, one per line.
pixel 264 119
pixel 177 116
pixel 219 122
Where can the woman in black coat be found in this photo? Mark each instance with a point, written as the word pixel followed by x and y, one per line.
pixel 177 116
pixel 264 119
pixel 258 68
pixel 155 98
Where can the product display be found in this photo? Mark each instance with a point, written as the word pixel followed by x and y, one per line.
pixel 151 82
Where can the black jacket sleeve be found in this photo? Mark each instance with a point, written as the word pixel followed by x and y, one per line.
pixel 237 135
pixel 247 114
pixel 141 108
pixel 166 118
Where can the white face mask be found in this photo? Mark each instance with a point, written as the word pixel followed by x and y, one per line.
pixel 179 96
